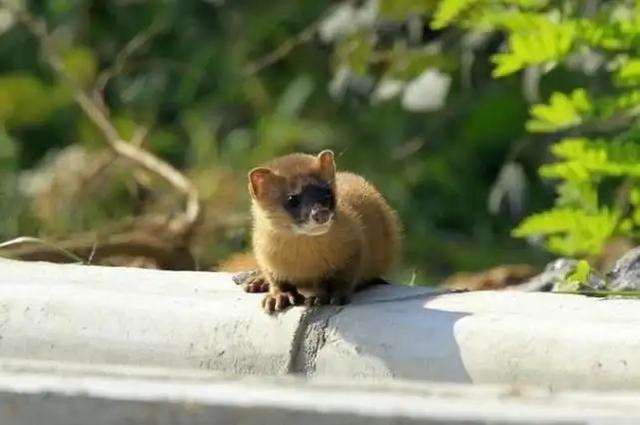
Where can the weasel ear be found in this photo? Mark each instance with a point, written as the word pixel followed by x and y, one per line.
pixel 327 164
pixel 258 181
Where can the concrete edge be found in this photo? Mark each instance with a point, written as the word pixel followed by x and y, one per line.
pixel 145 389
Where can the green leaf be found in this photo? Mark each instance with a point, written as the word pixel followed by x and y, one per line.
pixel 482 13
pixel 545 44
pixel 592 159
pixel 509 20
pixel 582 193
pixel 628 73
pixel 448 11
pixel 25 100
pixel 561 112
pixel 581 272
pixel 611 31
pixel 355 52
pixel 634 196
pixel 634 200
pixel 570 231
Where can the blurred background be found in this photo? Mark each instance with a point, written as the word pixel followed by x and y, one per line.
pixel 214 87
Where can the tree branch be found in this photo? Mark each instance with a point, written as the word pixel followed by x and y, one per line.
pixel 136 43
pixel 283 49
pixel 129 151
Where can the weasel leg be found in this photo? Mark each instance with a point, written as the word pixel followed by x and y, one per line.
pixel 333 291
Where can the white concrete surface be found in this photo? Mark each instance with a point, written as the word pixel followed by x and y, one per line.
pixel 54 394
pixel 552 340
pixel 203 321
pixel 138 317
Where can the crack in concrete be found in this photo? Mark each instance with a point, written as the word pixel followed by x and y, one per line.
pixel 311 332
pixel 309 337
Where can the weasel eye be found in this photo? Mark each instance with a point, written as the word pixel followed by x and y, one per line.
pixel 328 193
pixel 293 201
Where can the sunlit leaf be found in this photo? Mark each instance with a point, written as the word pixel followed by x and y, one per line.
pixel 562 111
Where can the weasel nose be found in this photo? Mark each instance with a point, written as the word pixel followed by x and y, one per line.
pixel 320 215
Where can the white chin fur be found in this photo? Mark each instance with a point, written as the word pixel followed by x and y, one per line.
pixel 311 230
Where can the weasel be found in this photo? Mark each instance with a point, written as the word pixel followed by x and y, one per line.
pixel 318 235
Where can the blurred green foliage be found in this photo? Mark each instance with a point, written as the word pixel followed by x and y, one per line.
pixel 597 172
pixel 403 91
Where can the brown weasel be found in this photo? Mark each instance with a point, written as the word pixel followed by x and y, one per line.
pixel 318 234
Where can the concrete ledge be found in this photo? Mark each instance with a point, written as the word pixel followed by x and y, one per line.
pixel 202 321
pixel 34 393
pixel 552 340
pixel 138 317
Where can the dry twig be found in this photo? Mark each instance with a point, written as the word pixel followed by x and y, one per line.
pixel 183 225
pixel 22 240
pixel 105 248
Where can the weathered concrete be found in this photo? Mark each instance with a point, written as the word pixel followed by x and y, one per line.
pixel 54 394
pixel 139 317
pixel 202 321
pixel 552 340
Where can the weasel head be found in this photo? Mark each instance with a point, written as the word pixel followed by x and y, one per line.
pixel 296 193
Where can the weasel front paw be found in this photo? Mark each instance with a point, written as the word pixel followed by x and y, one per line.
pixel 251 281
pixel 325 299
pixel 280 300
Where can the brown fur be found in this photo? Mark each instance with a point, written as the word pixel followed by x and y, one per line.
pixel 360 245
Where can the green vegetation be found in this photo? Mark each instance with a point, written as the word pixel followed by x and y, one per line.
pixel 449 106
pixel 592 118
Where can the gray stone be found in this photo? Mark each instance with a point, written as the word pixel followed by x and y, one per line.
pixel 596 282
pixel 551 278
pixel 625 275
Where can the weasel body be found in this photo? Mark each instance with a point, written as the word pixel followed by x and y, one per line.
pixel 318 234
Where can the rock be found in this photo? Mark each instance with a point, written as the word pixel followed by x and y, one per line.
pixel 625 275
pixel 551 278
pixel 596 282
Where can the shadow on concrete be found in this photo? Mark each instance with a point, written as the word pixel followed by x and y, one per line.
pixel 389 332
